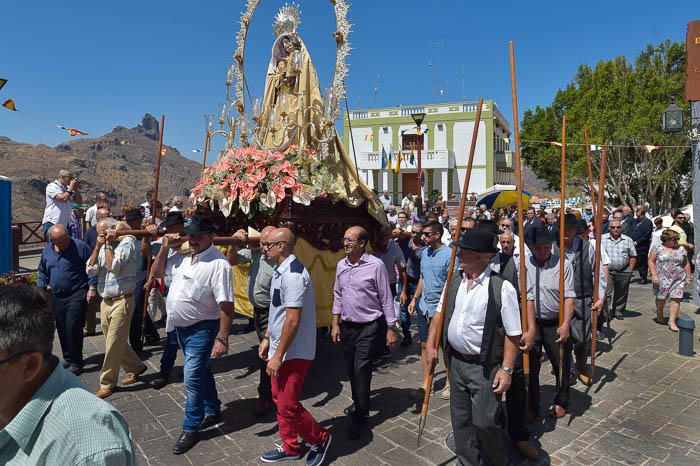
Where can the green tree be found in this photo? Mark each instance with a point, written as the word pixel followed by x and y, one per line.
pixel 620 103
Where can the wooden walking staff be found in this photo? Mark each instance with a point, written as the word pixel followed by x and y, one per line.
pixel 154 206
pixel 441 317
pixel 521 220
pixel 598 219
pixel 562 254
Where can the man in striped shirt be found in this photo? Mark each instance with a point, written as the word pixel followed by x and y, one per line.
pixel 114 263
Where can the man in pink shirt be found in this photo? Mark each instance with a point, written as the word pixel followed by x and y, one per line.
pixel 363 314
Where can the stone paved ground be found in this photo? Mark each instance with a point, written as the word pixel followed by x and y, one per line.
pixel 644 407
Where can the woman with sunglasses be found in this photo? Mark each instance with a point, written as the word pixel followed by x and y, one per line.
pixel 670 273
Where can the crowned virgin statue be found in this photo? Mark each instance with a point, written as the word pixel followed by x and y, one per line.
pixel 292 116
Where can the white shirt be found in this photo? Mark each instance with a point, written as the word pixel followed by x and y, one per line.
pixel 393 258
pixel 291 287
pixel 56 211
pixel 198 289
pixel 91 215
pixel 467 325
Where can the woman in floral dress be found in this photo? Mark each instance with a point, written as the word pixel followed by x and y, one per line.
pixel 670 273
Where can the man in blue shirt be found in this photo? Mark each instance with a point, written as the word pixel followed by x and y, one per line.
pixel 434 264
pixel 62 270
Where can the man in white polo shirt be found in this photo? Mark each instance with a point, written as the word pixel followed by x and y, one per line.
pixel 289 347
pixel 59 194
pixel 200 311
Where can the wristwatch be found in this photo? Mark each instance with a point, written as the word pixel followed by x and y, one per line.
pixel 507 370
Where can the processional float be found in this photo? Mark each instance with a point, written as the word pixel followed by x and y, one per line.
pixel 283 162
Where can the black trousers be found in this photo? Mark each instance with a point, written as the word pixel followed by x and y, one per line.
pixel 545 337
pixel 69 312
pixel 260 316
pixel 475 411
pixel 516 403
pixel 581 332
pixel 137 321
pixel 642 263
pixel 360 343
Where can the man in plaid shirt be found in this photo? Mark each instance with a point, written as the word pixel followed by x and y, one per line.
pixel 623 259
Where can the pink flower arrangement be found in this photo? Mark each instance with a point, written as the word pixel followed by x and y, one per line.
pixel 252 180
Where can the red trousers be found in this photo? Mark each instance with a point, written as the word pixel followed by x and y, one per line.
pixel 293 419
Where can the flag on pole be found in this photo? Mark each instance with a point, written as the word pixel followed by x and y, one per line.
pixel 397 167
pixel 384 159
pixel 10 105
pixel 412 160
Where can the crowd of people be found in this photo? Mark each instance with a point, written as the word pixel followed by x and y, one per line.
pixel 389 283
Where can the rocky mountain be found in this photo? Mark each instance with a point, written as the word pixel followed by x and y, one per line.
pixel 120 163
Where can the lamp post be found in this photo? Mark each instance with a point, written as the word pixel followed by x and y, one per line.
pixel 672 119
pixel 418 119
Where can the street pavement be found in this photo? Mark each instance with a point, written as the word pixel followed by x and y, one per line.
pixel 644 407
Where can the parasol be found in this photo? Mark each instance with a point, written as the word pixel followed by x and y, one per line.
pixel 501 195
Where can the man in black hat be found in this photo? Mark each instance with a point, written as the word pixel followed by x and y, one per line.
pixel 581 255
pixel 134 219
pixel 481 333
pixel 174 224
pixel 200 311
pixel 543 307
pixel 507 265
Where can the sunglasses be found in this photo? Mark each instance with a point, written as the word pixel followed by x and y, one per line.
pixel 427 233
pixel 616 228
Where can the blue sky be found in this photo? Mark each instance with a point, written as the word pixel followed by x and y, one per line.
pixel 95 65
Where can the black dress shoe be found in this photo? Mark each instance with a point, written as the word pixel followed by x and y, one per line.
pixel 406 341
pixel 185 443
pixel 159 383
pixel 210 421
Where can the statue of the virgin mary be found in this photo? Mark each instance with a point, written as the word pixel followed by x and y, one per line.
pixel 293 98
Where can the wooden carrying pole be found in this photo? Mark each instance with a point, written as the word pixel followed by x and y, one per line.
pixel 562 254
pixel 218 240
pixel 521 220
pixel 598 220
pixel 154 207
pixel 441 316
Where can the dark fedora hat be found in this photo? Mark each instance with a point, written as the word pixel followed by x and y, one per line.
pixel 133 214
pixel 173 218
pixel 570 221
pixel 479 240
pixel 540 235
pixel 488 225
pixel 199 225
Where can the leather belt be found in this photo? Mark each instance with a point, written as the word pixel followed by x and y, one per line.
pixel 465 357
pixel 120 297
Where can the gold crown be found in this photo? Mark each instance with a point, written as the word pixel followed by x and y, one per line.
pixel 287 19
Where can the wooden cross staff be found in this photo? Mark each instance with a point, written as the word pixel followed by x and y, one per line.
pixel 154 207
pixel 521 220
pixel 562 247
pixel 441 316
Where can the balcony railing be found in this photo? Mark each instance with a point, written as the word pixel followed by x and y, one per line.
pixel 429 159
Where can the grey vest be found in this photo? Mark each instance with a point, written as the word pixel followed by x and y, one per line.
pixel 583 274
pixel 494 333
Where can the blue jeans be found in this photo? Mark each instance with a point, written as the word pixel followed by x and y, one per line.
pixel 167 359
pixel 404 316
pixel 197 342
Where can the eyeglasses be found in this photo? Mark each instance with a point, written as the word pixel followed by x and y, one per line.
pixel 14 356
pixel 505 225
pixel 616 228
pixel 264 245
pixel 349 241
